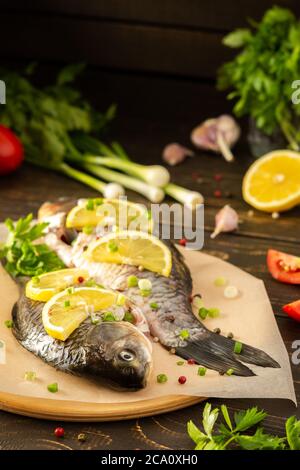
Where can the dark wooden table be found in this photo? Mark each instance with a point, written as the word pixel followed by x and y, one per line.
pixel 154 111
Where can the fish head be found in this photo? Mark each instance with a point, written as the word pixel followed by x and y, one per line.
pixel 122 353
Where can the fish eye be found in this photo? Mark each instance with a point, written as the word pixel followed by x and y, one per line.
pixel 127 355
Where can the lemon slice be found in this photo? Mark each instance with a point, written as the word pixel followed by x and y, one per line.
pixel 272 182
pixel 65 311
pixel 134 248
pixel 119 212
pixel 43 287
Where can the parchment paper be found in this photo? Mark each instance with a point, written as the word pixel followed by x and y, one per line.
pixel 249 317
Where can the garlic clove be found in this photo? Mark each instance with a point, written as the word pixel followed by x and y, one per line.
pixel 218 135
pixel 226 220
pixel 174 153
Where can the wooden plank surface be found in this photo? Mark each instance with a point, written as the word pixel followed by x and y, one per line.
pixel 209 14
pixel 152 113
pixel 131 47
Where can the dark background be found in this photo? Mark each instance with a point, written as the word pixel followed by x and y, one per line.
pixel 157 59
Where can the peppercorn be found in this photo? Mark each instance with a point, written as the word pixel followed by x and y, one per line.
pixel 182 379
pixel 59 432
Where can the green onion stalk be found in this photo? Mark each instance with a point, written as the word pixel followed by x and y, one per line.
pixel 151 192
pixel 111 190
pixel 155 175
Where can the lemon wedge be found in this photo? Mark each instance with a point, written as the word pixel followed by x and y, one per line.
pixel 119 212
pixel 43 287
pixel 272 183
pixel 65 311
pixel 134 248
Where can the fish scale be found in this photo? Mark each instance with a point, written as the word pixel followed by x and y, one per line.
pixel 91 350
pixel 172 294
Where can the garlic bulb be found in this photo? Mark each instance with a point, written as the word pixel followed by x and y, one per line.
pixel 218 135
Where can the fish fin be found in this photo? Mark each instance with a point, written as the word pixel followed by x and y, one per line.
pixel 208 356
pixel 217 352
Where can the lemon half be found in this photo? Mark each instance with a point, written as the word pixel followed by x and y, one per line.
pixel 272 183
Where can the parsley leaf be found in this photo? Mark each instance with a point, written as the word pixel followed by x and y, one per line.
pixel 292 427
pixel 261 441
pixel 246 419
pixel 23 254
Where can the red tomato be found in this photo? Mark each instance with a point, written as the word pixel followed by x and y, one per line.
pixel 284 267
pixel 293 310
pixel 11 151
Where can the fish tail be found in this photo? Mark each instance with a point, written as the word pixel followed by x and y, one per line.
pixel 216 352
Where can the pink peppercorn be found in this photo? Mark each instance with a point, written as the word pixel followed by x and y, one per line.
pixel 59 432
pixel 182 242
pixel 191 361
pixel 80 279
pixel 217 193
pixel 182 379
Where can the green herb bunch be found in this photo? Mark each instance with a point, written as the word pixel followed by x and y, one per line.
pixel 45 119
pixel 235 434
pixel 23 253
pixel 261 75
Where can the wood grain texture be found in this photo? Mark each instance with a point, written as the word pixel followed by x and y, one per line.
pixel 113 45
pixel 152 112
pixel 80 411
pixel 214 14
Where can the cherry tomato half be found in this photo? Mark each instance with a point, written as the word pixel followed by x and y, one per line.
pixel 293 310
pixel 284 267
pixel 11 151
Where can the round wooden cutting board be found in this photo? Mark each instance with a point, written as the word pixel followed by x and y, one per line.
pixel 62 410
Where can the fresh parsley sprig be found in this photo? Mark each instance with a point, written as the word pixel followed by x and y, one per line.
pixel 230 434
pixel 261 75
pixel 22 254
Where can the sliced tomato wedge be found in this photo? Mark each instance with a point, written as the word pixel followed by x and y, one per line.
pixel 293 310
pixel 284 267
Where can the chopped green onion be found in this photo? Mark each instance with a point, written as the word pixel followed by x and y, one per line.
pixel 184 334
pixel 132 281
pixel 213 312
pixel 229 372
pixel 93 283
pixel 95 320
pixel 30 376
pixel 128 317
pixel 112 246
pixel 145 293
pixel 145 284
pixel 238 346
pixel 108 316
pixel 88 229
pixel 121 299
pixel 67 303
pixel 90 205
pixel 154 305
pixel 162 378
pixel 197 301
pixel 203 312
pixel 70 290
pixel 220 281
pixel 36 280
pixel 149 214
pixel 98 201
pixel 53 388
pixel 180 363
pixel 8 323
pixel 202 371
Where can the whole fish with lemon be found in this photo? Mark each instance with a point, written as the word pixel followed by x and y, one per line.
pixel 121 287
